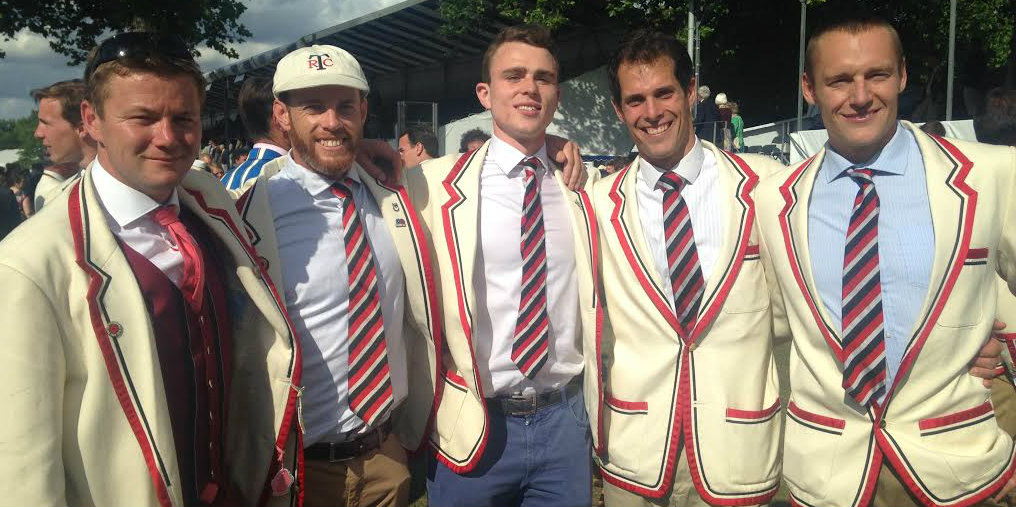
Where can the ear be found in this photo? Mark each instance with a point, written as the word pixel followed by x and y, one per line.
pixel 419 149
pixel 617 111
pixel 363 111
pixel 903 75
pixel 483 94
pixel 91 122
pixel 281 115
pixel 807 89
pixel 692 93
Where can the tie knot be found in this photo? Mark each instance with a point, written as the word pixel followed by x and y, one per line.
pixel 671 181
pixel 861 176
pixel 530 165
pixel 343 189
pixel 165 215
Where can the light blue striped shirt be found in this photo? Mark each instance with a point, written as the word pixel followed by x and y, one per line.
pixel 906 237
pixel 259 155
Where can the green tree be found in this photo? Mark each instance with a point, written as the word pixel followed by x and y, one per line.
pixel 73 26
pixel 20 134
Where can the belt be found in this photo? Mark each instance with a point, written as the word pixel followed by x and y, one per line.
pixel 523 405
pixel 343 451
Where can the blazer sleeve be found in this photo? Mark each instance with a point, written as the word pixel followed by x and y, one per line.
pixel 1007 243
pixel 32 376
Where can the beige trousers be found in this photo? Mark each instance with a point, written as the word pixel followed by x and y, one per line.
pixel 890 492
pixel 378 478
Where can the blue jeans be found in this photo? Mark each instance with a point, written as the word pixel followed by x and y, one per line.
pixel 540 460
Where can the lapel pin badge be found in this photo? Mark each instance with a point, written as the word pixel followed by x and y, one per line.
pixel 114 329
pixel 395 207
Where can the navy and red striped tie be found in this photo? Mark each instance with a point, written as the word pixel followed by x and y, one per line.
pixel 532 330
pixel 864 366
pixel 368 378
pixel 682 255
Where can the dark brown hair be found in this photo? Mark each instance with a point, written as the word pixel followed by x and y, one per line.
pixel 533 35
pixel 647 46
pixel 997 123
pixel 69 94
pixel 151 63
pixel 255 102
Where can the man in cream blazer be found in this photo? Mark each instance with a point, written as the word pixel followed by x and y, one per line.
pixel 690 412
pixel 910 427
pixel 88 358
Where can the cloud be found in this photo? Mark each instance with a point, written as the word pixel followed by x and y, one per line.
pixel 31 63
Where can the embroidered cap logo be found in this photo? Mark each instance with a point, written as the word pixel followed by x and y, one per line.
pixel 320 62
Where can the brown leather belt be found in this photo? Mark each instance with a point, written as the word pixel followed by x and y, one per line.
pixel 343 451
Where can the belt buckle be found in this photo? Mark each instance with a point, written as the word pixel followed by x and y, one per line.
pixel 532 403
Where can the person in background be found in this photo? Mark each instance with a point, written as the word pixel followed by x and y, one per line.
pixel 68 146
pixel 934 127
pixel 736 128
pixel 270 142
pixel 416 144
pixel 472 139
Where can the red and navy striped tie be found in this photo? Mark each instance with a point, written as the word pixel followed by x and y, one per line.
pixel 864 369
pixel 682 256
pixel 532 330
pixel 368 378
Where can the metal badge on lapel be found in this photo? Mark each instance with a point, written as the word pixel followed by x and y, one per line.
pixel 395 207
pixel 114 329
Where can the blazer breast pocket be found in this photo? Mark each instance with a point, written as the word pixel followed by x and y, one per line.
pixel 749 293
pixel 965 306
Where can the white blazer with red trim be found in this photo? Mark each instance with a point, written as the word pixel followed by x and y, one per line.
pixel 87 416
pixel 446 191
pixel 937 429
pixel 422 330
pixel 714 386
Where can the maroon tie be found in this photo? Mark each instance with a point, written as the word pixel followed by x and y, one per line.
pixel 193 283
pixel 368 379
pixel 532 329
pixel 864 369
pixel 686 280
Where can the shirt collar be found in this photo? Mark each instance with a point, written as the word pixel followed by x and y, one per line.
pixel 891 159
pixel 270 147
pixel 123 203
pixel 314 183
pixel 689 167
pixel 508 157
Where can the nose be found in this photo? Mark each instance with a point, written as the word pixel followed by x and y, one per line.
pixel 39 134
pixel 165 134
pixel 654 110
pixel 330 119
pixel 860 95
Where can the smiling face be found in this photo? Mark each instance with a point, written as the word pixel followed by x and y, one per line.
pixel 855 81
pixel 149 131
pixel 656 110
pixel 522 94
pixel 325 125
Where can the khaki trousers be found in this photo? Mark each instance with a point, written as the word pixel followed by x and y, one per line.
pixel 683 494
pixel 378 478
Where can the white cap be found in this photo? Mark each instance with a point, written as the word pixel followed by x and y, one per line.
pixel 318 65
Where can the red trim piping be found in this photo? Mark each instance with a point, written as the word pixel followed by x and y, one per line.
pixel 977 253
pixel 625 405
pixel 812 417
pixel 108 356
pixel 454 198
pixel 594 241
pixel 751 250
pixel 754 414
pixel 963 415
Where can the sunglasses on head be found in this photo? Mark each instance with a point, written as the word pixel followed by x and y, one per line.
pixel 138 44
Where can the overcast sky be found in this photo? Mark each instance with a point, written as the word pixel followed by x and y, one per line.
pixel 30 63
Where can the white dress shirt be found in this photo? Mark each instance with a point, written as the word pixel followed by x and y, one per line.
pixel 126 211
pixel 308 226
pixel 703 197
pixel 498 276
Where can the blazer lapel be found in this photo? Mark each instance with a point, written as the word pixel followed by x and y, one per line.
pixel 737 181
pixel 952 218
pixel 123 329
pixel 796 192
pixel 627 226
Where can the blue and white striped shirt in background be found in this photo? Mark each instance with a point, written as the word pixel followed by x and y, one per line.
pixel 259 155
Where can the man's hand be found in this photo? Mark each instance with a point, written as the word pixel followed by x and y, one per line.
pixel 567 153
pixel 379 160
pixel 1002 493
pixel 985 365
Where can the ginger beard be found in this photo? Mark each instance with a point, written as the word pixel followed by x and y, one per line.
pixel 325 126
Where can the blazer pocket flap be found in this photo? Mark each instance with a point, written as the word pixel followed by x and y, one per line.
pixel 739 416
pixel 625 407
pixel 815 421
pixel 957 420
pixel 453 378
